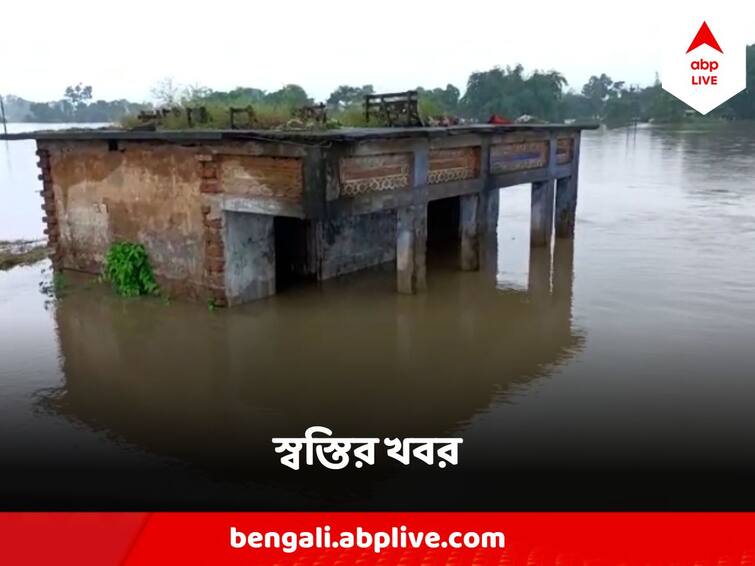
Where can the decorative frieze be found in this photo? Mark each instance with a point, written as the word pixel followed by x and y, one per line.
pixel 518 156
pixel 455 164
pixel 374 173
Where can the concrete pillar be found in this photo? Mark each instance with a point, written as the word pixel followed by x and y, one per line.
pixel 488 210
pixel 541 220
pixel 566 206
pixel 249 256
pixel 411 242
pixel 563 280
pixel 539 277
pixel 487 215
pixel 469 232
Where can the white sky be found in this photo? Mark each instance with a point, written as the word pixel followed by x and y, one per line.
pixel 123 48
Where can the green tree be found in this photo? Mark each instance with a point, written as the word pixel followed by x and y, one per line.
pixel 442 100
pixel 290 96
pixel 509 93
pixel 574 106
pixel 665 107
pixel 195 92
pixel 346 95
pixel 166 92
pixel 541 94
pixel 623 104
pixel 743 104
pixel 596 91
pixel 493 92
pixel 239 96
pixel 78 94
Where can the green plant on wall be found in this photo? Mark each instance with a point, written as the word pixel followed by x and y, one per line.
pixel 127 267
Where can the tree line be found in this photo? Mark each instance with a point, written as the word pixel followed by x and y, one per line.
pixel 76 105
pixel 508 92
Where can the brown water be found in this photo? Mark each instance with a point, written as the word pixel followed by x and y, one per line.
pixel 630 383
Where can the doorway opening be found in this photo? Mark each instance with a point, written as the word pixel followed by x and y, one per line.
pixel 443 231
pixel 293 264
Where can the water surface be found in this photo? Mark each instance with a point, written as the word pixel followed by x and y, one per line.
pixel 620 376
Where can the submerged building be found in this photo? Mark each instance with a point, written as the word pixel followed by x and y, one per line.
pixel 230 215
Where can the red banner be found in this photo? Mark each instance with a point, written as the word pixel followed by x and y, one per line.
pixel 376 538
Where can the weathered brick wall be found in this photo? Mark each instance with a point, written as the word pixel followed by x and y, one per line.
pixel 210 190
pixel 139 192
pixel 50 217
pixel 165 196
pixel 249 175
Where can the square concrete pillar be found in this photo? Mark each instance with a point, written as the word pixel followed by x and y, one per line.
pixel 541 220
pixel 566 206
pixel 249 256
pixel 411 243
pixel 488 210
pixel 469 232
pixel 563 280
pixel 539 276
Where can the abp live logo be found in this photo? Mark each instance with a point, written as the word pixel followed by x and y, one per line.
pixel 711 70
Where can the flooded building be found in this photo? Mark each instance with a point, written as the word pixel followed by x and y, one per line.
pixel 234 215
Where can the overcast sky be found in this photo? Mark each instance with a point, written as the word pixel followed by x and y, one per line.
pixel 123 49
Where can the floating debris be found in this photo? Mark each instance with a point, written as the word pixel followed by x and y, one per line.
pixel 21 252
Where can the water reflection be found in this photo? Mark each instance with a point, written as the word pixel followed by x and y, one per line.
pixel 212 388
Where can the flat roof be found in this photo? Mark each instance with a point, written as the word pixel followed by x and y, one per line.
pixel 300 136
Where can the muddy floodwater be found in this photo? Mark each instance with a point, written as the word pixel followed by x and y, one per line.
pixel 617 372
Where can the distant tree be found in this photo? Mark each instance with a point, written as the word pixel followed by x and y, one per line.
pixel 509 93
pixel 665 107
pixel 78 94
pixel 16 108
pixel 505 91
pixel 290 96
pixel 443 101
pixel 60 111
pixel 99 111
pixel 42 112
pixel 743 104
pixel 239 96
pixel 346 95
pixel 541 95
pixel 493 92
pixel 596 91
pixel 574 106
pixel 623 105
pixel 195 92
pixel 166 92
pixel 248 93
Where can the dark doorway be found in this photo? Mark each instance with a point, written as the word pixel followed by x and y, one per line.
pixel 292 257
pixel 442 230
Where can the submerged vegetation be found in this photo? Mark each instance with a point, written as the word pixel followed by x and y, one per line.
pixel 21 252
pixel 127 267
